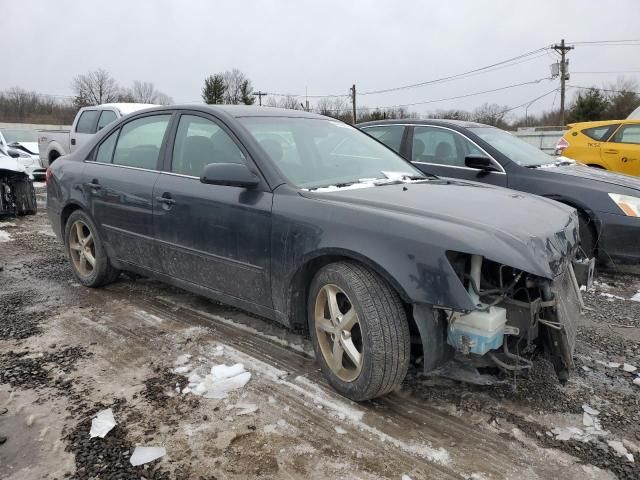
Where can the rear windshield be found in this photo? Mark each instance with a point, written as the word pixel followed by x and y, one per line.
pixel 512 147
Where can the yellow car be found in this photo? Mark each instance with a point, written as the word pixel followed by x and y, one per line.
pixel 612 144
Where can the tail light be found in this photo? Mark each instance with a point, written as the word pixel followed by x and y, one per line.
pixel 47 176
pixel 561 146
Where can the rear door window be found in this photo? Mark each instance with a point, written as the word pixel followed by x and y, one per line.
pixel 390 135
pixel 106 117
pixel 87 121
pixel 105 150
pixel 140 141
pixel 598 133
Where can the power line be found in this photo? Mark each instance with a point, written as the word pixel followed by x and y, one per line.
pixel 604 89
pixel 425 102
pixel 452 77
pixel 604 42
pixel 618 71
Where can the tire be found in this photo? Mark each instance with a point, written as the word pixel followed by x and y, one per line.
pixel 380 331
pixel 76 244
pixel 588 238
pixel 25 197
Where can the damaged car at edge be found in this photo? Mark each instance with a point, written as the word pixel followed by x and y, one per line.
pixel 17 194
pixel 306 220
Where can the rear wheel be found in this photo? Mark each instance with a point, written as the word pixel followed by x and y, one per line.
pixel 86 252
pixel 359 330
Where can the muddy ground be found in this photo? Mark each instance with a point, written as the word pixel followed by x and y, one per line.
pixel 67 352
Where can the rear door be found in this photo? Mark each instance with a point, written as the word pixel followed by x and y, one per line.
pixel 118 184
pixel 213 236
pixel 442 151
pixel 391 135
pixel 622 152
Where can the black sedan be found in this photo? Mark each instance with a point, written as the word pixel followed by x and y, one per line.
pixel 306 220
pixel 608 203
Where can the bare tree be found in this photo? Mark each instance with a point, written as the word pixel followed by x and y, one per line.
pixel 336 107
pixel 20 106
pixel 94 88
pixel 145 92
pixel 490 114
pixel 236 86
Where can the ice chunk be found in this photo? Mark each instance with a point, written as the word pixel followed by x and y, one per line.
pixel 142 455
pixel 406 477
pixel 591 411
pixel 613 365
pixel 220 388
pixel 629 368
pixel 636 297
pixel 620 449
pixel 340 430
pixel 102 423
pixel 219 351
pixel 636 381
pixel 585 368
pixel 567 433
pixel 183 369
pixel 587 420
pixel 182 359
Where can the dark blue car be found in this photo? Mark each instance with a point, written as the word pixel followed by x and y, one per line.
pixel 308 221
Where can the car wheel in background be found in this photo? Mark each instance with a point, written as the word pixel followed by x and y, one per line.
pixel 25 197
pixel 359 330
pixel 588 237
pixel 86 252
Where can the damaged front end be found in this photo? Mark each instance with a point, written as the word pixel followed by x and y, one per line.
pixel 517 315
pixel 17 194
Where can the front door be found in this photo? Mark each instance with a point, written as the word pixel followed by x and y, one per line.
pixel 212 236
pixel 118 184
pixel 442 151
pixel 622 152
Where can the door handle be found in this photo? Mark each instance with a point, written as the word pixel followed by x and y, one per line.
pixel 166 199
pixel 611 151
pixel 94 184
pixel 73 141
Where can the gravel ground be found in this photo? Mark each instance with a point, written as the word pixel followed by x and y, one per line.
pixel 67 352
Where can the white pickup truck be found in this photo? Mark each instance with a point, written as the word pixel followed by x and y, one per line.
pixel 89 120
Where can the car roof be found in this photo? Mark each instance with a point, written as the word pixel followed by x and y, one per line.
pixel 239 111
pixel 429 121
pixel 125 108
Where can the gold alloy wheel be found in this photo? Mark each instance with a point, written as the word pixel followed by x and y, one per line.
pixel 338 332
pixel 82 248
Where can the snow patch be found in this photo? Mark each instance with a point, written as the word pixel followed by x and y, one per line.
pixel 4 236
pixel 636 297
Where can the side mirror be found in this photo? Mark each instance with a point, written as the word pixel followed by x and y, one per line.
pixel 480 162
pixel 229 174
pixel 14 153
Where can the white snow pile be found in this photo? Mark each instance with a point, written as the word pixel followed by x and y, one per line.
pixel 636 297
pixel 217 383
pixel 142 455
pixel 102 423
pixel 611 297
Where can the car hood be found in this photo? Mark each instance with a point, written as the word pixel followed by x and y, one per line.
pixel 29 147
pixel 11 164
pixel 597 174
pixel 531 233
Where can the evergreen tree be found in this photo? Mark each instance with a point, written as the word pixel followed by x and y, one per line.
pixel 214 89
pixel 589 106
pixel 246 94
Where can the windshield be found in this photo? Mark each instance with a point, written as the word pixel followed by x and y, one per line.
pixel 512 147
pixel 20 136
pixel 314 153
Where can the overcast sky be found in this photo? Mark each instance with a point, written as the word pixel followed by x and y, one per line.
pixel 322 47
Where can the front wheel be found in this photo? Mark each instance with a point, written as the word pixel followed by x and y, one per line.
pixel 86 252
pixel 359 330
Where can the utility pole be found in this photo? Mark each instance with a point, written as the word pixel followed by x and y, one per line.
pixel 564 75
pixel 260 94
pixel 353 100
